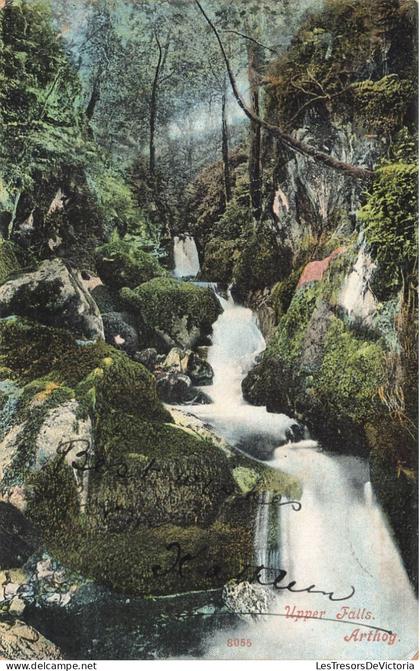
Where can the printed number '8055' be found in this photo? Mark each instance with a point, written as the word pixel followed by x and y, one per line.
pixel 239 643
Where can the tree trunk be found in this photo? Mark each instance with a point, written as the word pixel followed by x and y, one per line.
pixel 254 163
pixel 94 98
pixel 225 151
pixel 153 112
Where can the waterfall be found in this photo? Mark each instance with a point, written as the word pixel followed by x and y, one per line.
pixel 236 343
pixel 338 540
pixel 187 263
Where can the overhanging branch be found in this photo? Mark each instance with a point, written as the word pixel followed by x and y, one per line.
pixel 291 142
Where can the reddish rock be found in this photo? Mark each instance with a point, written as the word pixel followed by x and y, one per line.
pixel 314 271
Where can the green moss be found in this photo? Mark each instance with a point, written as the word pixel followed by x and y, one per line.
pixel 119 383
pixel 277 482
pixel 390 219
pixel 134 513
pixel 290 333
pixel 381 105
pixel 262 262
pixel 119 434
pixel 220 257
pixel 140 562
pixel 124 264
pixel 351 374
pixel 236 216
pixel 37 399
pixel 282 293
pixel 162 302
pixel 103 376
pixel 53 503
pixel 33 351
pixel 107 300
pixel 8 260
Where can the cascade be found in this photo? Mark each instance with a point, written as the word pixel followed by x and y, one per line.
pixel 187 263
pixel 337 541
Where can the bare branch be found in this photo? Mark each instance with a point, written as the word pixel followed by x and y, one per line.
pixel 252 39
pixel 291 142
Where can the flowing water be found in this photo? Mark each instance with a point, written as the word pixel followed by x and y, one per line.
pixel 187 263
pixel 237 341
pixel 338 541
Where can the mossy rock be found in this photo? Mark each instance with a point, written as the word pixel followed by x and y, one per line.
pixel 263 261
pixel 122 264
pixel 145 562
pixel 157 473
pixel 220 257
pixel 8 260
pixel 35 402
pixel 119 383
pixel 319 371
pixel 351 373
pixel 107 299
pixel 178 313
pixel 110 379
pixel 123 553
pixel 32 351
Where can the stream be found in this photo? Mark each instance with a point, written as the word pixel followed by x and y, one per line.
pixel 337 543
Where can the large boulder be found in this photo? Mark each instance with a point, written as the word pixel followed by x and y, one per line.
pixel 178 314
pixel 54 295
pixel 48 428
pixel 122 264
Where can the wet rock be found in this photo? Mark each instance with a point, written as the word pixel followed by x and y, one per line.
pixel 191 364
pixel 119 332
pixel 174 387
pixel 295 433
pixel 199 370
pixel 259 302
pixel 189 421
pixel 148 357
pixel 54 295
pixel 18 538
pixel 174 360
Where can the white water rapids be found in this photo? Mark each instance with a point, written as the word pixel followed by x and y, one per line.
pixel 338 539
pixel 187 263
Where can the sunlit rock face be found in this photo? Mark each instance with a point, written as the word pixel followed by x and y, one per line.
pixel 356 296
